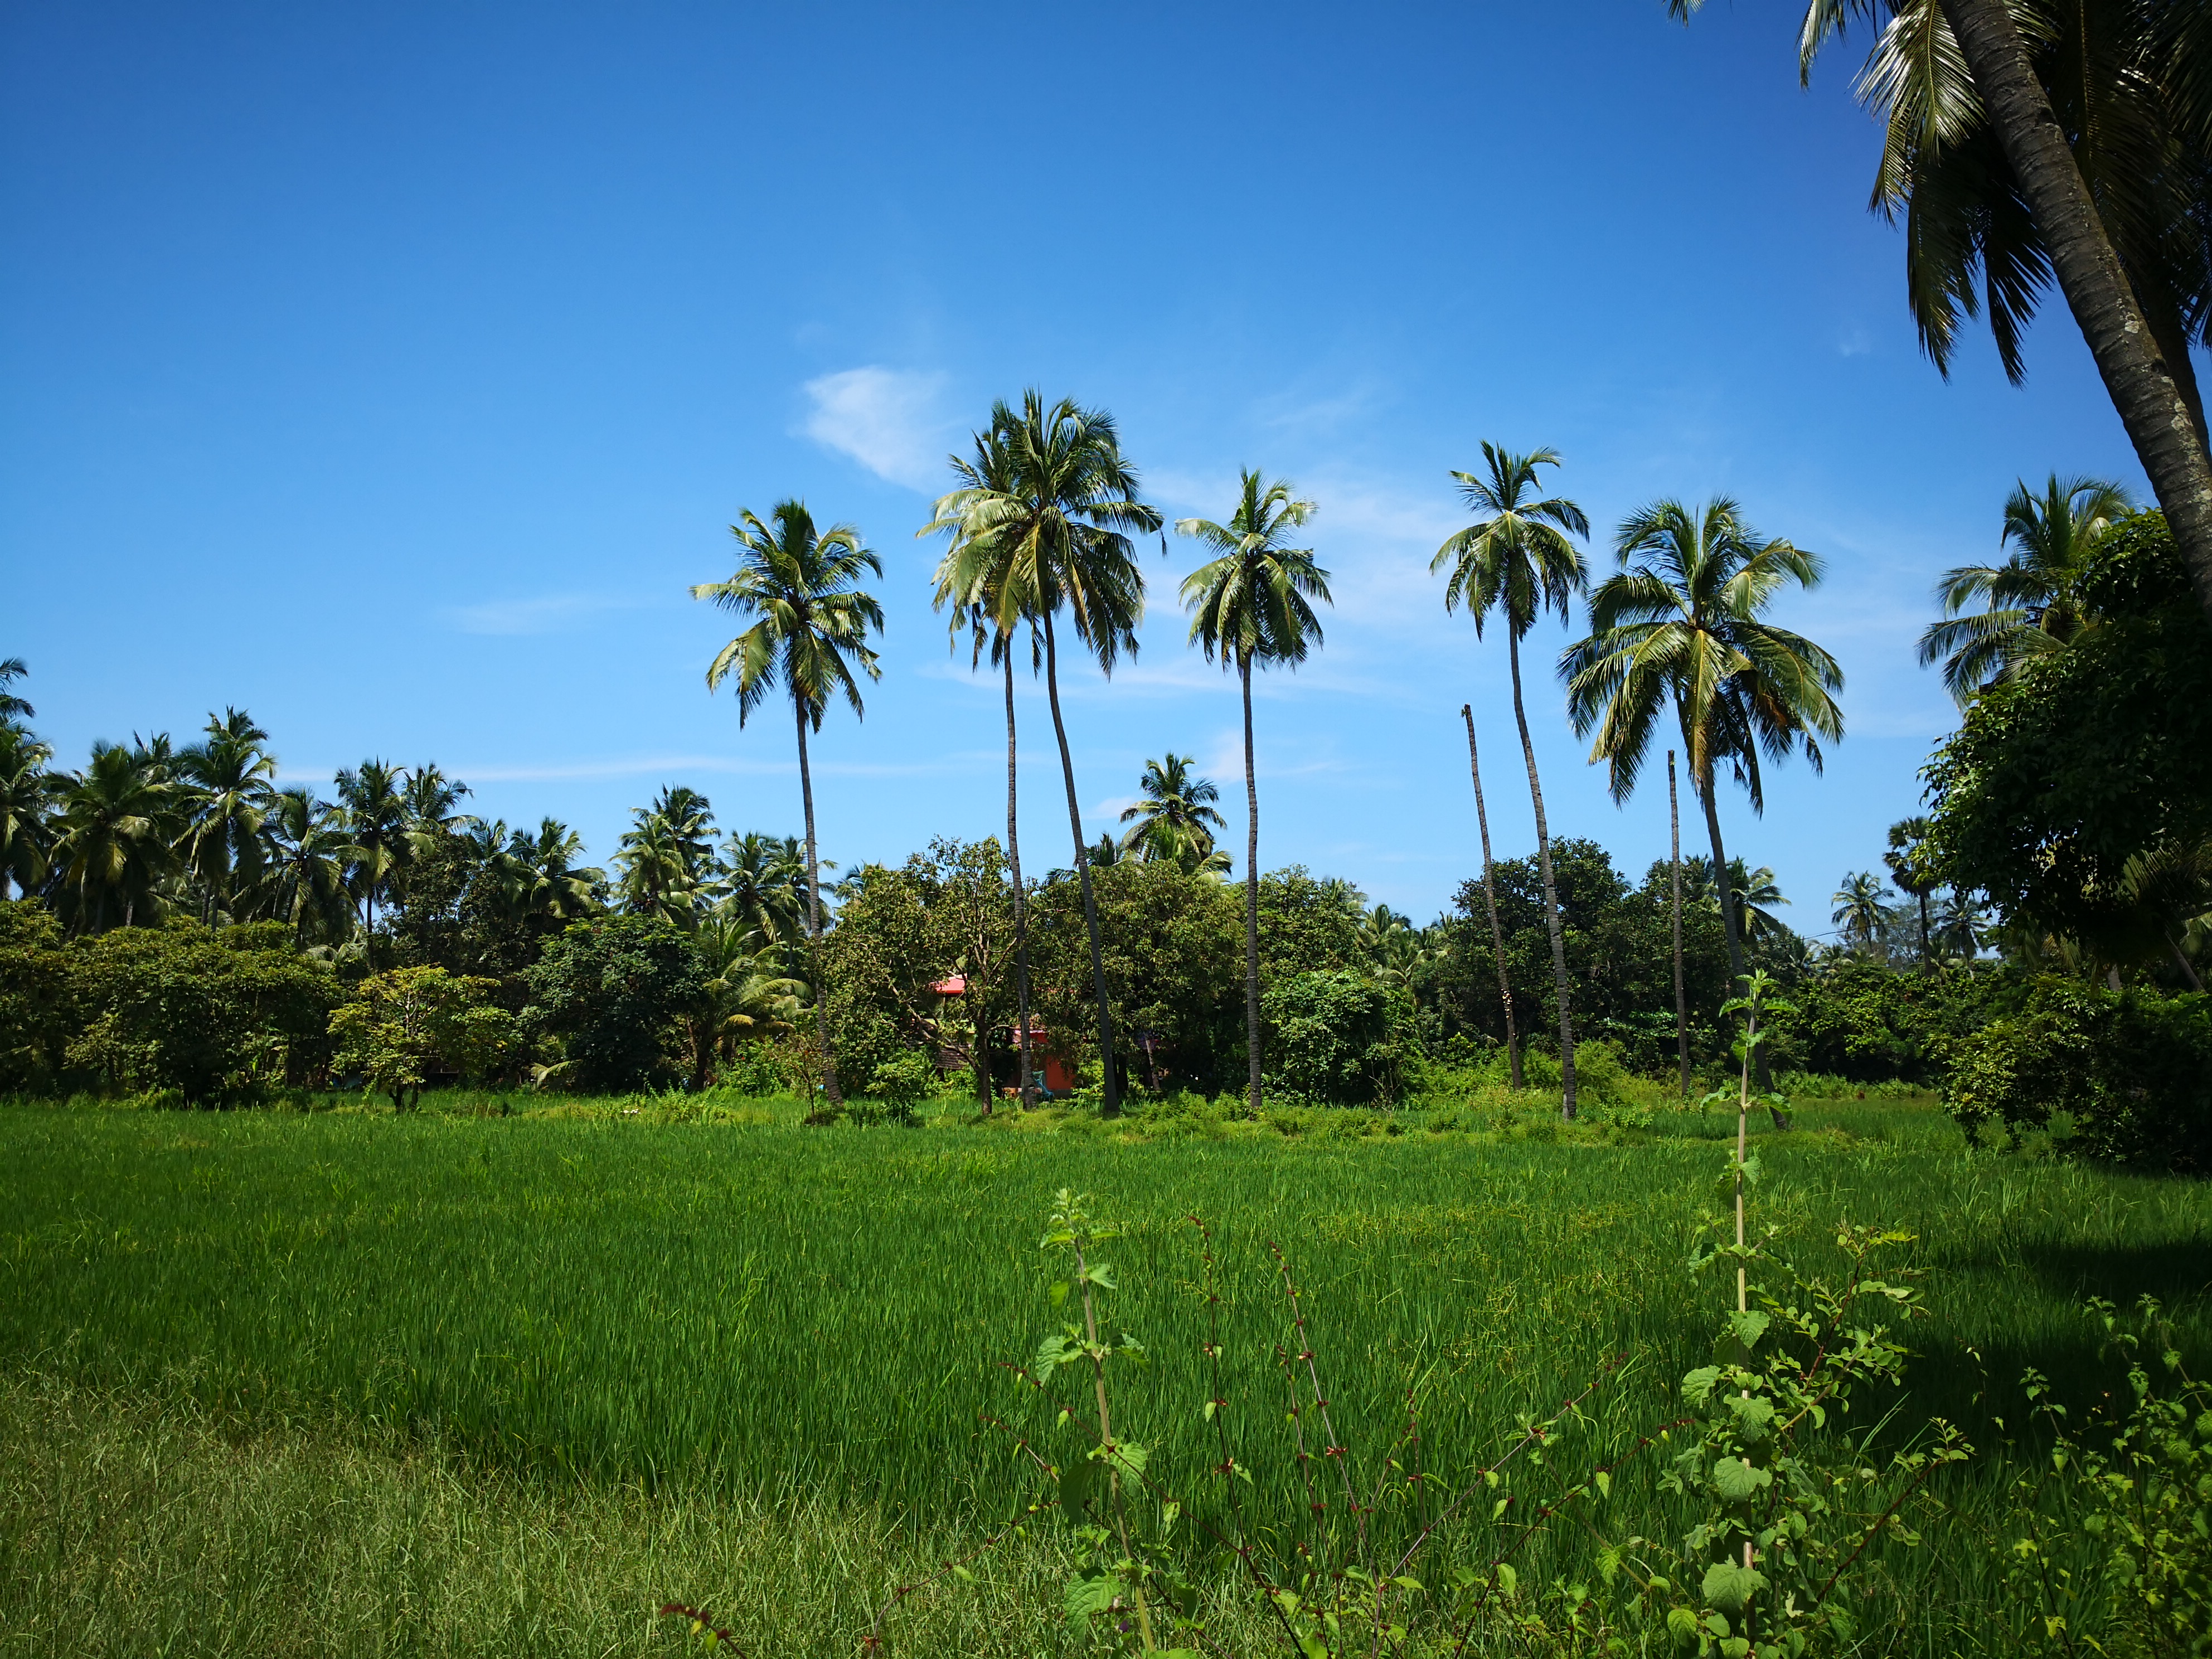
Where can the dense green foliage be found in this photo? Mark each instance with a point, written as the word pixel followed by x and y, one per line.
pixel 208 1015
pixel 2087 757
pixel 612 990
pixel 2120 1074
pixel 1863 1022
pixel 1619 943
pixel 1332 1038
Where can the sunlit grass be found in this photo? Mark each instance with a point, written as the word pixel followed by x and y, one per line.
pixel 702 1310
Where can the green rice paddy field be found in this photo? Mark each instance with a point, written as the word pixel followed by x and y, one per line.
pixel 348 1382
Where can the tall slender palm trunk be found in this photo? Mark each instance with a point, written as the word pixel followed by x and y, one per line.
pixel 814 923
pixel 1024 1088
pixel 1112 1105
pixel 1550 890
pixel 1731 925
pixel 1927 956
pixel 1681 1002
pixel 1251 892
pixel 1490 898
pixel 2136 375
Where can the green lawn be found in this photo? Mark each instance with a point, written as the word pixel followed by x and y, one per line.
pixel 487 1346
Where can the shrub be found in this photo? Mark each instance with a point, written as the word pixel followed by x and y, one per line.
pixel 906 1077
pixel 405 1026
pixel 1330 1038
pixel 2120 1075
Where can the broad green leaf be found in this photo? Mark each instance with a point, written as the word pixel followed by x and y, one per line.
pixel 1748 1327
pixel 1697 1386
pixel 1681 1624
pixel 1079 1485
pixel 1728 1585
pixel 1754 1414
pixel 1735 1479
pixel 1089 1593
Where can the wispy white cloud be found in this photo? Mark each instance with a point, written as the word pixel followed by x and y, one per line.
pixel 676 766
pixel 544 613
pixel 884 418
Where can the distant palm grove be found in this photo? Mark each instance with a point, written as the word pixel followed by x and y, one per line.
pixel 179 922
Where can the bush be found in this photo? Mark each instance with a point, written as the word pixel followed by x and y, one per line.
pixel 1330 1039
pixel 906 1078
pixel 403 1027
pixel 2119 1075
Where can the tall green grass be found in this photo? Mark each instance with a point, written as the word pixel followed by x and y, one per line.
pixel 757 1314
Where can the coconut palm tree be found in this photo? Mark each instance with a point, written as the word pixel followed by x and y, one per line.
pixel 14 710
pixel 810 631
pixel 1674 881
pixel 971 579
pixel 226 778
pixel 1251 606
pixel 746 998
pixel 1175 812
pixel 29 793
pixel 2031 604
pixel 302 873
pixel 1906 860
pixel 118 823
pixel 1961 922
pixel 1519 557
pixel 1861 911
pixel 554 886
pixel 668 857
pixel 761 883
pixel 375 800
pixel 1054 522
pixel 2135 140
pixel 1683 623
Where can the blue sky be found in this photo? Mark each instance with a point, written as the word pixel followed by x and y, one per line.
pixel 391 373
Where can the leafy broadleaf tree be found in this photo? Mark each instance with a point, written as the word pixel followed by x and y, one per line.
pixel 1252 606
pixel 1682 624
pixel 1519 558
pixel 1053 520
pixel 810 630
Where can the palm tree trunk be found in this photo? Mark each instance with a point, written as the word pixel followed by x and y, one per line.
pixel 1251 892
pixel 1112 1106
pixel 1927 959
pixel 1550 890
pixel 814 922
pixel 1025 1085
pixel 2136 376
pixel 1490 898
pixel 1681 1003
pixel 2181 960
pixel 1729 926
